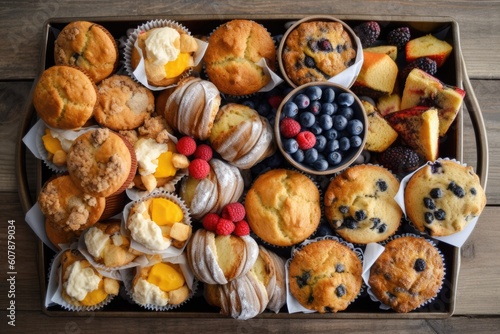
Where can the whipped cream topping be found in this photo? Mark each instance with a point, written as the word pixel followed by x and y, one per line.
pixel 96 241
pixel 162 45
pixel 145 231
pixel 147 151
pixel 146 293
pixel 81 281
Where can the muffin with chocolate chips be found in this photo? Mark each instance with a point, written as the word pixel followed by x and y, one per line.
pixel 443 197
pixel 360 206
pixel 325 276
pixel 407 274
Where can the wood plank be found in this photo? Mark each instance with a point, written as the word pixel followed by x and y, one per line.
pixel 22 23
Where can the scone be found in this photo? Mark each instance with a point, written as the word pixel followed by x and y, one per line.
pixel 232 56
pixel 360 205
pixel 159 222
pixel 123 104
pixel 442 197
pixel 82 285
pixel 67 207
pixel 107 245
pixel 407 274
pixel 65 97
pixel 101 162
pixel 161 284
pixel 317 51
pixel 89 46
pixel 325 276
pixel 283 207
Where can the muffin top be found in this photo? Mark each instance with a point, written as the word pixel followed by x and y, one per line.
pixel 325 276
pixel 317 51
pixel 123 104
pixel 283 207
pixel 65 97
pixel 407 274
pixel 360 205
pixel 232 55
pixel 443 197
pixel 100 162
pixel 89 46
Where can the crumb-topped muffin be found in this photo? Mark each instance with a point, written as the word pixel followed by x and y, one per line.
pixel 317 51
pixel 101 162
pixel 325 276
pixel 407 274
pixel 360 205
pixel 283 207
pixel 442 197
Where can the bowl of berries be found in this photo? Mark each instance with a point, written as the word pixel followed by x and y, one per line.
pixel 321 128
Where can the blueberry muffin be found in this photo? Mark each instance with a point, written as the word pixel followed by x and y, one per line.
pixel 325 276
pixel 443 197
pixel 407 274
pixel 283 207
pixel 360 206
pixel 317 51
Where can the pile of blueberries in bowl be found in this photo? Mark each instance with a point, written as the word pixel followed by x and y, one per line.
pixel 321 128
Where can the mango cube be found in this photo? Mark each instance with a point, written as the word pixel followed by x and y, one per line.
pixel 165 167
pixel 165 212
pixel 166 277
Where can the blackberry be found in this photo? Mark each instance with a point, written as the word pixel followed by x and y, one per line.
pixel 400 159
pixel 426 64
pixel 367 32
pixel 399 37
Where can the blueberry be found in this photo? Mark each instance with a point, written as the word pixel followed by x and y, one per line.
pixel 456 189
pixel 328 108
pixel 382 228
pixel 290 145
pixel 316 129
pixel 324 45
pixel 382 185
pixel 328 95
pixel 360 215
pixel 290 109
pixel 326 122
pixel 331 134
pixel 436 193
pixel 320 143
pixel 345 99
pixel 340 290
pixel 339 268
pixel 249 103
pixel 264 109
pixel 315 107
pixel 309 62
pixel 440 214
pixel 350 223
pixel 334 158
pixel 355 141
pixel 428 217
pixel 354 127
pixel 344 144
pixel 429 203
pixel 473 191
pixel 343 209
pixel 436 167
pixel 298 156
pixel 302 101
pixel 339 122
pixel 419 265
pixel 314 93
pixel 320 164
pixel 324 229
pixel 302 280
pixel 332 145
pixel 347 112
pixel 306 119
pixel 376 222
pixel 311 155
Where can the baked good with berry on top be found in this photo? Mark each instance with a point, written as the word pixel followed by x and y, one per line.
pixel 317 51
pixel 101 162
pixel 407 274
pixel 443 197
pixel 283 207
pixel 232 56
pixel 360 206
pixel 89 46
pixel 65 97
pixel 123 104
pixel 325 276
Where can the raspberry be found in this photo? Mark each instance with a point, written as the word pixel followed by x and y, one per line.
pixel 210 221
pixel 367 32
pixel 199 169
pixel 426 64
pixel 274 101
pixel 400 159
pixel 399 37
pixel 289 127
pixel 306 140
pixel 186 146
pixel 203 152
pixel 241 228
pixel 234 211
pixel 224 227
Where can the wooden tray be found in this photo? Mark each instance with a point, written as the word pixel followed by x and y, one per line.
pixel 453 73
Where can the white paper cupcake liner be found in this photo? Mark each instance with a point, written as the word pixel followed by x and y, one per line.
pixel 139 74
